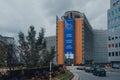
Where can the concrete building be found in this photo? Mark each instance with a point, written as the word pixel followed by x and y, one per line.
pixel 100 50
pixel 7 45
pixel 7 40
pixel 79 39
pixel 89 45
pixel 50 42
pixel 114 33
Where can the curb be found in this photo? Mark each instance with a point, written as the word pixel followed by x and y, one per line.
pixel 76 77
pixel 71 77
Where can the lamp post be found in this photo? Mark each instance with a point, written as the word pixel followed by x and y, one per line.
pixel 50 69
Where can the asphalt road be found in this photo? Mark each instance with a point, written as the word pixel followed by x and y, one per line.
pixel 89 76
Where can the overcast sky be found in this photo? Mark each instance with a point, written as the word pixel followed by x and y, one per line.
pixel 18 15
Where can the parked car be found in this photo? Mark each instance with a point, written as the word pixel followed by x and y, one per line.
pixel 88 69
pixel 99 72
pixel 81 68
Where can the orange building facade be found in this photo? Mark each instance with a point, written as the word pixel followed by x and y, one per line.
pixel 80 36
pixel 78 41
pixel 60 44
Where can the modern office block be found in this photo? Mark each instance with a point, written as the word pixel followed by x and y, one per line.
pixel 100 51
pixel 114 33
pixel 74 39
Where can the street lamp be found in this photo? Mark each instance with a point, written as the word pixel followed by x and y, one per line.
pixel 50 70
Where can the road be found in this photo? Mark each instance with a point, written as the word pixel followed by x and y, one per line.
pixel 89 76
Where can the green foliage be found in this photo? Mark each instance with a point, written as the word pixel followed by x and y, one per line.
pixel 31 37
pixel 52 55
pixel 2 56
pixel 65 76
pixel 3 51
pixel 33 50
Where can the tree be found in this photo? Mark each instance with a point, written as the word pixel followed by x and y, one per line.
pixel 11 58
pixel 23 48
pixel 3 52
pixel 52 55
pixel 33 49
pixel 31 40
pixel 48 56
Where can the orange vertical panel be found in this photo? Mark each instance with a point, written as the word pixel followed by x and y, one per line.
pixel 78 40
pixel 60 45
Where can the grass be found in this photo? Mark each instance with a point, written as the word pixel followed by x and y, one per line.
pixel 65 76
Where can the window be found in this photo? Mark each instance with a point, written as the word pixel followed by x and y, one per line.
pixel 116 37
pixel 115 27
pixel 118 26
pixel 119 9
pixel 118 2
pixel 113 45
pixel 109 53
pixel 115 20
pixel 116 53
pixel 113 4
pixel 112 30
pixel 109 45
pixel 119 53
pixel 112 38
pixel 119 44
pixel 112 12
pixel 119 18
pixel 108 22
pixel 115 11
pixel 109 38
pixel 116 45
pixel 108 13
pixel 112 53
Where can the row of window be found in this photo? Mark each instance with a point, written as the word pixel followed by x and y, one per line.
pixel 114 12
pixel 113 37
pixel 116 45
pixel 114 20
pixel 114 28
pixel 114 53
pixel 116 3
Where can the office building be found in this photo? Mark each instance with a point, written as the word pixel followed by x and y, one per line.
pixel 100 50
pixel 114 33
pixel 8 49
pixel 76 42
pixel 74 39
pixel 51 42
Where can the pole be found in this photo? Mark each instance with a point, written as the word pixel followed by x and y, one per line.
pixel 50 69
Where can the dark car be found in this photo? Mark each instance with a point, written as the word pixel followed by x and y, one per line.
pixel 99 72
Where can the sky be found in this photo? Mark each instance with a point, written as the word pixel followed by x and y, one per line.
pixel 18 15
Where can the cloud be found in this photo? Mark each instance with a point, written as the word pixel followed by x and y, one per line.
pixel 18 15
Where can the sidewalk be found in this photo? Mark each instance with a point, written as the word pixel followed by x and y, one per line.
pixel 76 77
